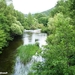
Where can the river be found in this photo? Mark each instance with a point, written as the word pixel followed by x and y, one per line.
pixel 10 63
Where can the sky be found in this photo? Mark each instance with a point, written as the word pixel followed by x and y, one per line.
pixel 33 6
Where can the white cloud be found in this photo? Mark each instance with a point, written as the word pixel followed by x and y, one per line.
pixel 33 6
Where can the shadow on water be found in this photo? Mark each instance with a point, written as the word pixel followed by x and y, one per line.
pixel 8 56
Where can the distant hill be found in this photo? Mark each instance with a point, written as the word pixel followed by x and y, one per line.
pixel 47 12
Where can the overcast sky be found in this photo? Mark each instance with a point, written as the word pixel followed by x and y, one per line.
pixel 33 6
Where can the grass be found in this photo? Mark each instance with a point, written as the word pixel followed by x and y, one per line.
pixel 26 52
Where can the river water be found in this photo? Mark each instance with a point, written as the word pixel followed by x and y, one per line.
pixel 10 63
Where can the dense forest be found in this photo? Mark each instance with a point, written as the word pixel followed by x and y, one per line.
pixel 57 22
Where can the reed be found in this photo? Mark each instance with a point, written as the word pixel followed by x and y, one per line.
pixel 25 52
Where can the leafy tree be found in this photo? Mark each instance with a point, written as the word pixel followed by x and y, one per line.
pixel 30 19
pixel 38 15
pixel 21 18
pixel 17 28
pixel 42 18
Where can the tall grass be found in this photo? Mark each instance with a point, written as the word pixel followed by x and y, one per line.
pixel 26 52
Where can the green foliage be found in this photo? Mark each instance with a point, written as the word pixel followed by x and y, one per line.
pixel 72 10
pixel 17 28
pixel 30 73
pixel 21 18
pixel 60 51
pixel 42 18
pixel 26 52
pixel 2 39
pixel 9 24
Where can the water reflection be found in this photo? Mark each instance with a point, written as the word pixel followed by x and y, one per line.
pixel 8 56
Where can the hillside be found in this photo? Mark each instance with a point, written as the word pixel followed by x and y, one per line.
pixel 47 12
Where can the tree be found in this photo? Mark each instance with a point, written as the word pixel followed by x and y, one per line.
pixel 21 18
pixel 42 18
pixel 17 28
pixel 30 19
